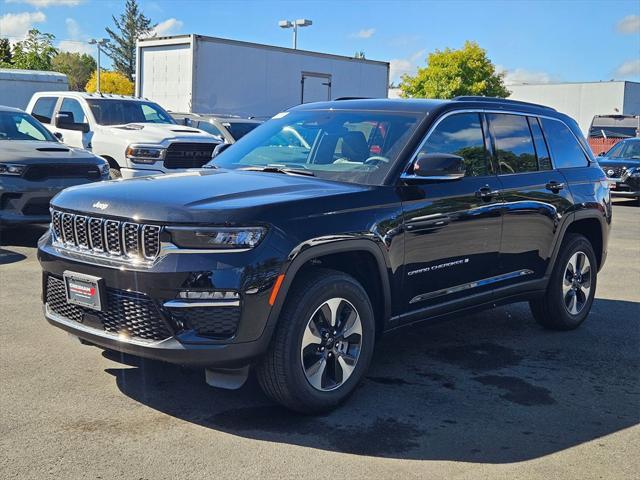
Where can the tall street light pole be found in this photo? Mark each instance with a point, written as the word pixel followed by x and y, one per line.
pixel 301 22
pixel 98 42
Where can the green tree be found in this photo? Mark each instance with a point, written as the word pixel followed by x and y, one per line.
pixel 78 68
pixel 130 26
pixel 450 73
pixel 110 82
pixel 5 52
pixel 35 52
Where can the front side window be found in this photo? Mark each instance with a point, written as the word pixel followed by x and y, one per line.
pixel 43 109
pixel 564 146
pixel 109 111
pixel 461 134
pixel 75 109
pixel 514 148
pixel 21 126
pixel 330 144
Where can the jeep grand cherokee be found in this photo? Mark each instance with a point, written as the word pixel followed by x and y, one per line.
pixel 293 258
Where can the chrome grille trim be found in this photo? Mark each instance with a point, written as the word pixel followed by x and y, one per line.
pixel 111 240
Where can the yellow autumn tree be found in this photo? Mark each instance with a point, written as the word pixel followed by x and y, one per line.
pixel 110 82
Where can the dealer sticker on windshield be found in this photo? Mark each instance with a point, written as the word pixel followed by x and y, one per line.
pixel 83 290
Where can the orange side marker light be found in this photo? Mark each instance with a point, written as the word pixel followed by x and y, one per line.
pixel 276 289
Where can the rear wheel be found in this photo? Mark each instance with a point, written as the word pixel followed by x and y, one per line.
pixel 322 345
pixel 571 288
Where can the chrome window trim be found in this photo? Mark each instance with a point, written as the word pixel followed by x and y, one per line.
pixel 439 120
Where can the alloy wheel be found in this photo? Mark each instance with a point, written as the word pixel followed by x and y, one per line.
pixel 576 283
pixel 331 344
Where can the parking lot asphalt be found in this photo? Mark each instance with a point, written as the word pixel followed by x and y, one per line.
pixel 487 395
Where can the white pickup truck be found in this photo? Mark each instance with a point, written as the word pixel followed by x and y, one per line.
pixel 137 137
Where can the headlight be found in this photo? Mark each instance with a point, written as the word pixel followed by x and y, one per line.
pixel 145 153
pixel 12 169
pixel 217 237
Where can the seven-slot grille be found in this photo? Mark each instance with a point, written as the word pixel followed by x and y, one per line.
pixel 100 235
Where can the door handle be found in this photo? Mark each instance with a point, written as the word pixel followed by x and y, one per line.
pixel 554 186
pixel 486 193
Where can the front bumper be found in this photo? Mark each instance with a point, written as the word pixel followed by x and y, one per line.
pixel 134 295
pixel 628 188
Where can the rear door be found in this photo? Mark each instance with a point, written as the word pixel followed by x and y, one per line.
pixel 535 194
pixel 452 228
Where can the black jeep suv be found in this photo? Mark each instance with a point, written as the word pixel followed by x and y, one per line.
pixel 325 227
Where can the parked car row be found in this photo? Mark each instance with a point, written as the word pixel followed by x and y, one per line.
pixel 622 166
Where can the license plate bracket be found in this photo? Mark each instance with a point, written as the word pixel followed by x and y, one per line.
pixel 84 290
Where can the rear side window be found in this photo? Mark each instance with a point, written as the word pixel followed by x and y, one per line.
pixel 74 108
pixel 514 148
pixel 43 109
pixel 542 152
pixel 564 146
pixel 461 134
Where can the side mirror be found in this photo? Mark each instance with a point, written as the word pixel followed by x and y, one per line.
pixel 439 166
pixel 601 154
pixel 59 136
pixel 65 121
pixel 220 148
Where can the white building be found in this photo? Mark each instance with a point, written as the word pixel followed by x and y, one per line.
pixel 583 100
pixel 17 86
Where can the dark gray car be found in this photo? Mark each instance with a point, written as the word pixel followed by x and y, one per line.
pixel 35 166
pixel 228 127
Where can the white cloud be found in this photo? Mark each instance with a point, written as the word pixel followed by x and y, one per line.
pixel 365 33
pixel 48 3
pixel 519 76
pixel 629 24
pixel 17 25
pixel 168 27
pixel 77 42
pixel 630 68
pixel 400 66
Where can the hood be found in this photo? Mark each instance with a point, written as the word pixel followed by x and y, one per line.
pixel 158 133
pixel 34 151
pixel 210 196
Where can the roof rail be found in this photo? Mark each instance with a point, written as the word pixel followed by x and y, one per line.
pixel 508 101
pixel 351 98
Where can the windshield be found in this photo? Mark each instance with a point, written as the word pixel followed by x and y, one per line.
pixel 20 126
pixel 239 129
pixel 627 150
pixel 108 111
pixel 347 146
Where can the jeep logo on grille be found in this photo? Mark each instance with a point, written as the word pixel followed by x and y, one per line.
pixel 100 205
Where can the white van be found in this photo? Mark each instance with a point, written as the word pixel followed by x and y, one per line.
pixel 137 137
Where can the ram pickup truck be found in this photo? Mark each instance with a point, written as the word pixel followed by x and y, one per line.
pixel 293 259
pixel 137 137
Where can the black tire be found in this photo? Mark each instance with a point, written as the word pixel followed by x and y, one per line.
pixel 553 310
pixel 281 373
pixel 114 173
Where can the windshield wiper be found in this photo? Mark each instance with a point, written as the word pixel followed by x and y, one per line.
pixel 284 170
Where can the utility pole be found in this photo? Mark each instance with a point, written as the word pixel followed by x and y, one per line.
pixel 301 22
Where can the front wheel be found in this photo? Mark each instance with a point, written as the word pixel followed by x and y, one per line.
pixel 322 345
pixel 571 288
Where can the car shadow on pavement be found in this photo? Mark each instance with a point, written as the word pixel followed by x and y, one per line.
pixel 491 387
pixel 18 237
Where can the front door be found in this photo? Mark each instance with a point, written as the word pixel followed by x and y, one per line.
pixel 73 138
pixel 452 227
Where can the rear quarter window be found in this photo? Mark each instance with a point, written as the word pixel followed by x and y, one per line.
pixel 43 109
pixel 565 149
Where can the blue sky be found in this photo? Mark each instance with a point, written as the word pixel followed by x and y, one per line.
pixel 533 41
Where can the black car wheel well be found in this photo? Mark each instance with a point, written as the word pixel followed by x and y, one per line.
pixel 361 265
pixel 590 228
pixel 112 162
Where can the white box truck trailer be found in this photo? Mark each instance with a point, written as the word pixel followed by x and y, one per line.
pixel 18 86
pixel 194 73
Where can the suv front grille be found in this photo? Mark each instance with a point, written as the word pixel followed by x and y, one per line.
pixel 45 171
pixel 614 172
pixel 126 313
pixel 106 237
pixel 188 155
